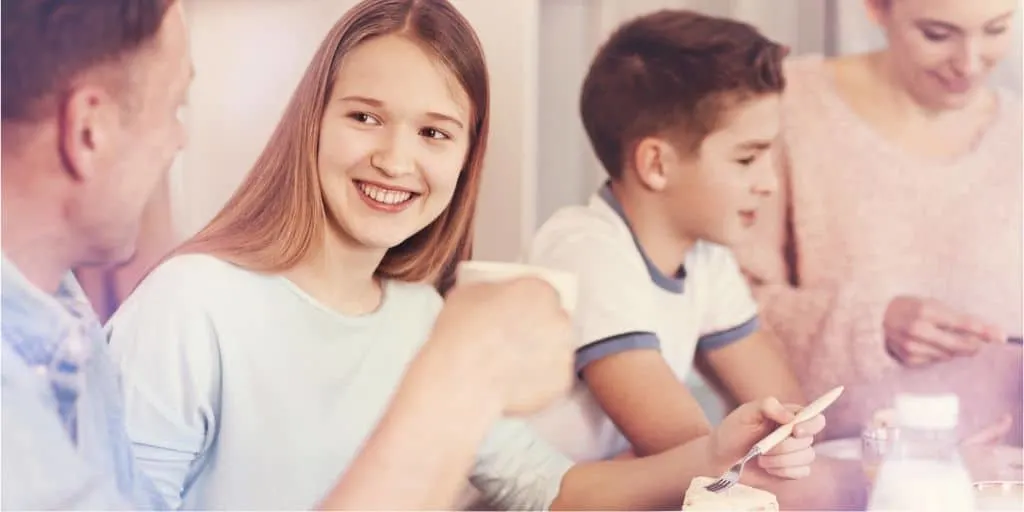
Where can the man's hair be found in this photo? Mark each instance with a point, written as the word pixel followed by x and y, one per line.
pixel 672 73
pixel 48 44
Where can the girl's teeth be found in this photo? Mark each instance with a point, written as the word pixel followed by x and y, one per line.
pixel 384 196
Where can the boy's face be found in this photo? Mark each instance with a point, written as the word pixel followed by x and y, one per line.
pixel 715 193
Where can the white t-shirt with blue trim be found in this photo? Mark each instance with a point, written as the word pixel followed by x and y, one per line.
pixel 626 303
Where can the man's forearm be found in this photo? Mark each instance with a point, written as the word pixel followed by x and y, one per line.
pixel 422 450
pixel 656 482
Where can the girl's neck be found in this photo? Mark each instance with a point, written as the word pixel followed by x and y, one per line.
pixel 342 275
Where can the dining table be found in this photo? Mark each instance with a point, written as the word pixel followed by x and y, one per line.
pixel 841 483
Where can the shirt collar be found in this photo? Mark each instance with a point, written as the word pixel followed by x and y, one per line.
pixel 36 323
pixel 672 283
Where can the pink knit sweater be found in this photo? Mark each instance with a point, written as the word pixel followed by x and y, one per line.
pixel 858 221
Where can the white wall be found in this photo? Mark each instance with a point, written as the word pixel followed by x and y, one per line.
pixel 250 54
pixel 507 212
pixel 568 40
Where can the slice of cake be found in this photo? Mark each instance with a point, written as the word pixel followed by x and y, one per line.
pixel 741 498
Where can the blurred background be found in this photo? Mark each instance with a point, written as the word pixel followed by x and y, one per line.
pixel 249 55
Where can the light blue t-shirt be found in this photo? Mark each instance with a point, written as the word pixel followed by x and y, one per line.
pixel 244 392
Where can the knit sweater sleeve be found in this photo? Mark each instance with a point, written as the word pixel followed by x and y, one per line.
pixel 833 332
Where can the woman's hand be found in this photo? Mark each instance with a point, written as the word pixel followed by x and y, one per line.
pixel 920 331
pixel 991 435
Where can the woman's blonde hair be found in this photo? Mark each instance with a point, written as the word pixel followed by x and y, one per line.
pixel 277 215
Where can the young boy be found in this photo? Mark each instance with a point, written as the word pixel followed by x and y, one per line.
pixel 682 110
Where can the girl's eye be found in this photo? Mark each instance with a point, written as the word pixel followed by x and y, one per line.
pixel 364 118
pixel 434 133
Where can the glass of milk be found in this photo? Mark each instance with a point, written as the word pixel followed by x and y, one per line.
pixel 923 470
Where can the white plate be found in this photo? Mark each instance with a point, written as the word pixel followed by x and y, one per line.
pixel 842 449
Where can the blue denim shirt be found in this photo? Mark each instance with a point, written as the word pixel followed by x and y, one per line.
pixel 63 435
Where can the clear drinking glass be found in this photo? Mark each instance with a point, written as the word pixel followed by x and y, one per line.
pixel 875 442
pixel 999 495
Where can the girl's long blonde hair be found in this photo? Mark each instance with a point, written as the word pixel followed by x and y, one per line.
pixel 277 215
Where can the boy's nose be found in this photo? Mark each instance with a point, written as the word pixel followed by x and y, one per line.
pixel 767 182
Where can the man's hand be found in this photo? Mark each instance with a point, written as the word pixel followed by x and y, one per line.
pixel 513 337
pixel 920 331
pixel 496 349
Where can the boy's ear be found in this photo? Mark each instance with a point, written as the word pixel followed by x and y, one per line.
pixel 877 10
pixel 652 159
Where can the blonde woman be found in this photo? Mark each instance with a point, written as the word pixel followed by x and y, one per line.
pixel 891 258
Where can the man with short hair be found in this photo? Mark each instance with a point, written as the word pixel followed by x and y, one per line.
pixel 90 96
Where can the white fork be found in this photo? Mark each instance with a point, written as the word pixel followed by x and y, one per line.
pixel 732 476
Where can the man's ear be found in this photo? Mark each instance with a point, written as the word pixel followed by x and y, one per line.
pixel 652 160
pixel 86 119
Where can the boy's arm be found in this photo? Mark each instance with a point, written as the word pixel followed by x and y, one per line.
pixel 657 482
pixel 619 355
pixel 743 357
pixel 754 367
pixel 646 400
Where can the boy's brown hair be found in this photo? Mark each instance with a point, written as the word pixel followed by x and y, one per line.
pixel 673 73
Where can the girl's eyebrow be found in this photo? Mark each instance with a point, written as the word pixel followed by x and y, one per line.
pixel 443 117
pixel 363 99
pixel 373 102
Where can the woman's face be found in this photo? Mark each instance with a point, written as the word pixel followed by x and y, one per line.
pixel 945 50
pixel 393 141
